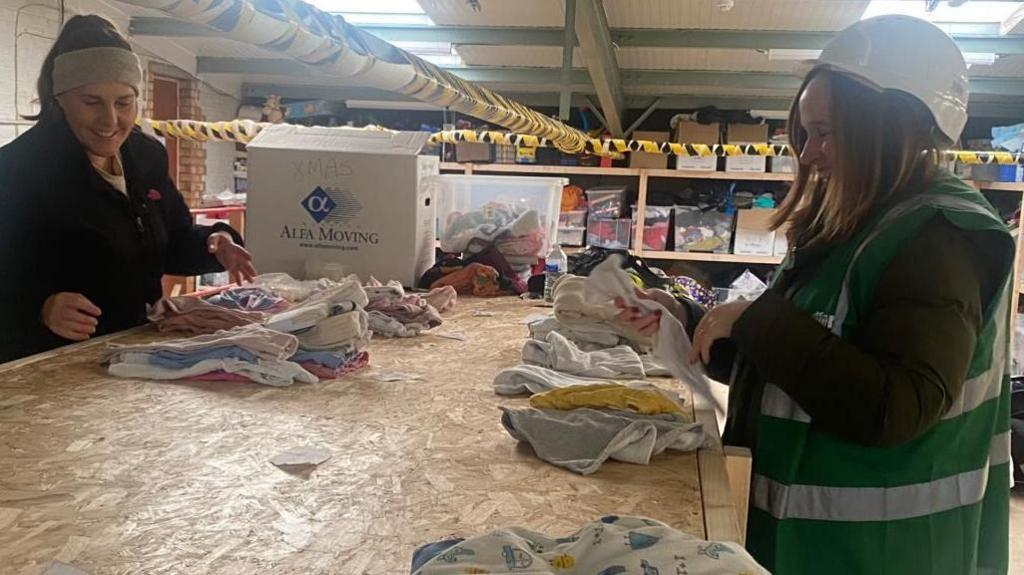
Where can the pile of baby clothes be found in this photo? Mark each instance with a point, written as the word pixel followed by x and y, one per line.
pixel 485 273
pixel 330 323
pixel 578 423
pixel 250 298
pixel 395 313
pixel 250 353
pixel 193 315
pixel 612 545
pixel 517 234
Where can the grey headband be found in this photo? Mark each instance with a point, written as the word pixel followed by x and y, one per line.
pixel 92 65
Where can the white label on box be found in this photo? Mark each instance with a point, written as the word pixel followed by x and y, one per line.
pixel 754 243
pixel 746 164
pixel 697 163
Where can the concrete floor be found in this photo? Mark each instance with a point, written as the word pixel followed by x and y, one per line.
pixel 1017 531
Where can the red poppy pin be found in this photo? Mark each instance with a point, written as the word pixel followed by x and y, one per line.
pixel 153 194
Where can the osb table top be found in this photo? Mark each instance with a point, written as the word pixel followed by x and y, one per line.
pixel 133 476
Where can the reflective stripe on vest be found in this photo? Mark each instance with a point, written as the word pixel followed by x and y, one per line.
pixel 878 503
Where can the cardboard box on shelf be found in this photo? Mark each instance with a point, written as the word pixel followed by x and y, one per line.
pixel 647 159
pixel 754 236
pixel 746 134
pixel 782 164
pixel 316 194
pixel 781 241
pixel 472 152
pixel 694 133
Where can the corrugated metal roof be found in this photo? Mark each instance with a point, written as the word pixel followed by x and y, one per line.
pixel 223 48
pixel 496 12
pixel 699 59
pixel 515 56
pixel 745 15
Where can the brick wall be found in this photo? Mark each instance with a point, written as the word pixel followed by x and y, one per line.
pixel 191 155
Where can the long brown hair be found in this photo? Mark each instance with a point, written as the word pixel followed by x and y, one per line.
pixel 79 33
pixel 885 145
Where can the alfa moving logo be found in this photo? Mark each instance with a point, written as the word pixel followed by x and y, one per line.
pixel 331 206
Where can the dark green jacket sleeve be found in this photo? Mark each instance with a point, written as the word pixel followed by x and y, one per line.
pixel 907 362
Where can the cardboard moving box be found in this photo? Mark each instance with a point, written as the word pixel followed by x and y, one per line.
pixel 746 134
pixel 358 198
pixel 754 236
pixel 647 159
pixel 694 133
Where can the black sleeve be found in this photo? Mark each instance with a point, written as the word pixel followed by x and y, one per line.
pixel 24 260
pixel 908 360
pixel 187 253
pixel 723 352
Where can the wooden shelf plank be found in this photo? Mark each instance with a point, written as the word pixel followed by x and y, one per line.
pixel 704 257
pixel 543 170
pixel 696 175
pixel 1001 186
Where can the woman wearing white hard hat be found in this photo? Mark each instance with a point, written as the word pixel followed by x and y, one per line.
pixel 871 380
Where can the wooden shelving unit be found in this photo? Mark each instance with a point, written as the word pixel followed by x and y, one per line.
pixel 643 175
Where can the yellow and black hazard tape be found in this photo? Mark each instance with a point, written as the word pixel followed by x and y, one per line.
pixel 233 131
pixel 245 130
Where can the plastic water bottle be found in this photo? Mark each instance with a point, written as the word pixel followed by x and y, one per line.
pixel 554 266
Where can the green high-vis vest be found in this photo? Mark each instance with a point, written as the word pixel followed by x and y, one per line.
pixel 936 505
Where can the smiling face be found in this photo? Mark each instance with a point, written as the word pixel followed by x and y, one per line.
pixel 101 116
pixel 816 120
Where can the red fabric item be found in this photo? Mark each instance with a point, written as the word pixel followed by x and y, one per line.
pixel 474 279
pixel 323 372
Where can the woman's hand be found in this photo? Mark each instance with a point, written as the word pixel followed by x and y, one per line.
pixel 70 315
pixel 717 324
pixel 646 322
pixel 235 259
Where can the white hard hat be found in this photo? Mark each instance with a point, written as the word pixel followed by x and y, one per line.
pixel 906 54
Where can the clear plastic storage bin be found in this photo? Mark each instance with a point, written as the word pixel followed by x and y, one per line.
pixel 656 227
pixel 573 219
pixel 610 233
pixel 607 202
pixel 518 215
pixel 572 236
pixel 702 230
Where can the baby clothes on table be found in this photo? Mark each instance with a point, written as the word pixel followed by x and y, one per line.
pixel 172 359
pixel 560 354
pixel 221 376
pixel 299 318
pixel 639 397
pixel 582 439
pixel 264 343
pixel 530 379
pixel 376 290
pixel 345 329
pixel 586 340
pixel 409 309
pixel 475 279
pixel 193 315
pixel 331 359
pixel 289 288
pixel 249 298
pixel 574 311
pixel 442 298
pixel 353 364
pixel 671 345
pixel 267 371
pixel 388 327
pixel 612 545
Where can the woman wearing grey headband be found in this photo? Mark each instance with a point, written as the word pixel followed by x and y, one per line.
pixel 91 220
